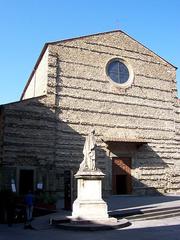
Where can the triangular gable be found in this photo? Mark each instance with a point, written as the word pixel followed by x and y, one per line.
pixel 107 33
pixel 86 37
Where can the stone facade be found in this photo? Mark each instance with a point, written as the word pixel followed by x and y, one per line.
pixel 47 133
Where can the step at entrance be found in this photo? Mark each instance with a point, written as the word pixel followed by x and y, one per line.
pixel 149 214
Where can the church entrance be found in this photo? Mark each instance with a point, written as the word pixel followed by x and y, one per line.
pixel 26 181
pixel 121 175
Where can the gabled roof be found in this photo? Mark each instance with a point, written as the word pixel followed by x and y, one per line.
pixel 103 33
pixel 82 37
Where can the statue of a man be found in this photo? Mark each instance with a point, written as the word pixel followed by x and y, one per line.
pixel 88 162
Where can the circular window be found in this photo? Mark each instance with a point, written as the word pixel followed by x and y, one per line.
pixel 120 72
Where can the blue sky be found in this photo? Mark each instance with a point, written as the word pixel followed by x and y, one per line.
pixel 26 25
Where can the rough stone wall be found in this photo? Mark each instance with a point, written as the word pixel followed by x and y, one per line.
pixel 1 134
pixel 29 140
pixel 86 98
pixel 1 144
pixel 175 167
pixel 48 132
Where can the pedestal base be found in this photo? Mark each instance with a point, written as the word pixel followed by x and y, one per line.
pixel 68 223
pixel 89 204
pixel 90 210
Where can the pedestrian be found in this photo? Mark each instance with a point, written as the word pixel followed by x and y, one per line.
pixel 29 202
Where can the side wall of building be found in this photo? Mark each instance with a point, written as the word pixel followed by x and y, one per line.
pixel 28 143
pixel 38 83
pixel 175 167
pixel 1 133
pixel 1 143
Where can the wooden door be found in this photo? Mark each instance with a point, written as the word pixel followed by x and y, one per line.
pixel 121 176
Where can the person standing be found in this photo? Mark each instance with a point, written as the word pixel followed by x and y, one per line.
pixel 29 201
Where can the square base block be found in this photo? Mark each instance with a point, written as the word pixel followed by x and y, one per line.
pixel 90 210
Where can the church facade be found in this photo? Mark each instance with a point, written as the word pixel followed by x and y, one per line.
pixel 108 82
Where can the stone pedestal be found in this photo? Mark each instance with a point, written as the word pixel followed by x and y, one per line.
pixel 89 204
pixel 89 209
pixel 90 212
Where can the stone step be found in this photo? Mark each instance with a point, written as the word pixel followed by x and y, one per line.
pixel 156 214
pixel 155 217
pixel 143 214
pixel 86 225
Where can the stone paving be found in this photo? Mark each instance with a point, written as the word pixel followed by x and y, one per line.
pixel 146 230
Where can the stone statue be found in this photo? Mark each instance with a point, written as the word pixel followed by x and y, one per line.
pixel 88 162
